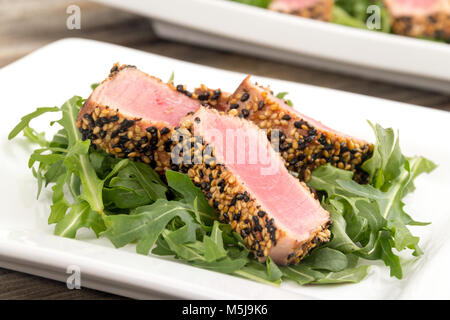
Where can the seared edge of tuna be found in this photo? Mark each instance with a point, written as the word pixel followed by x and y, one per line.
pixel 215 98
pixel 304 143
pixel 122 136
pixel 313 9
pixel 432 22
pixel 238 207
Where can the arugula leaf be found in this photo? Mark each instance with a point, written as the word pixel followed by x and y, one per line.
pixel 301 274
pixel 326 259
pixel 183 185
pixel 146 224
pixel 255 3
pixel 352 275
pixel 59 202
pixel 79 216
pixel 213 244
pixel 77 161
pixel 25 120
pixel 172 77
pixel 136 184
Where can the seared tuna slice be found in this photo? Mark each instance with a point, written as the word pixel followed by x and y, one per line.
pixel 304 143
pixel 314 9
pixel 247 182
pixel 420 18
pixel 131 114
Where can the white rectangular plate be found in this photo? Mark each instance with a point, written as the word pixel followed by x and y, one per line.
pixel 232 26
pixel 56 72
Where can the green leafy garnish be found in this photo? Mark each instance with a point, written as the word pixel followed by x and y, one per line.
pixel 369 220
pixel 128 202
pixel 255 3
pixel 282 96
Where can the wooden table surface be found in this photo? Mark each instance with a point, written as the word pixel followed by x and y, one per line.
pixel 26 25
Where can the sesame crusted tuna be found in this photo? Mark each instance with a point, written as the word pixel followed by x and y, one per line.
pixel 420 18
pixel 130 114
pixel 247 182
pixel 314 9
pixel 134 115
pixel 303 142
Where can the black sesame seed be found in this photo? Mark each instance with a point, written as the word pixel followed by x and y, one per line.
pixel 167 145
pixel 261 213
pixel 245 97
pixel 151 130
pixel 260 105
pixel 239 196
pixel 113 119
pixel 115 133
pixel 298 124
pixel 180 88
pixel 234 106
pixel 245 113
pixel 204 96
pixel 165 130
pixel 216 94
pixel 286 117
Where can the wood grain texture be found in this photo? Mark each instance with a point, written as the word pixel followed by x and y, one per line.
pixel 26 25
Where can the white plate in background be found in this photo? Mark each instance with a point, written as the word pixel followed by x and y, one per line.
pixel 260 32
pixel 58 71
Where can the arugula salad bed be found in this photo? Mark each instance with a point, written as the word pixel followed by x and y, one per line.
pixel 128 202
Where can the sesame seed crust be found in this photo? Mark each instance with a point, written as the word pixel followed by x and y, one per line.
pixel 319 10
pixel 215 98
pixel 303 146
pixel 126 137
pixel 435 25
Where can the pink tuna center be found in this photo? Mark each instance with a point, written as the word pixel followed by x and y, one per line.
pixel 286 200
pixel 413 7
pixel 136 94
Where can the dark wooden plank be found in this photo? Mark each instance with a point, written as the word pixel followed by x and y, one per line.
pixel 16 285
